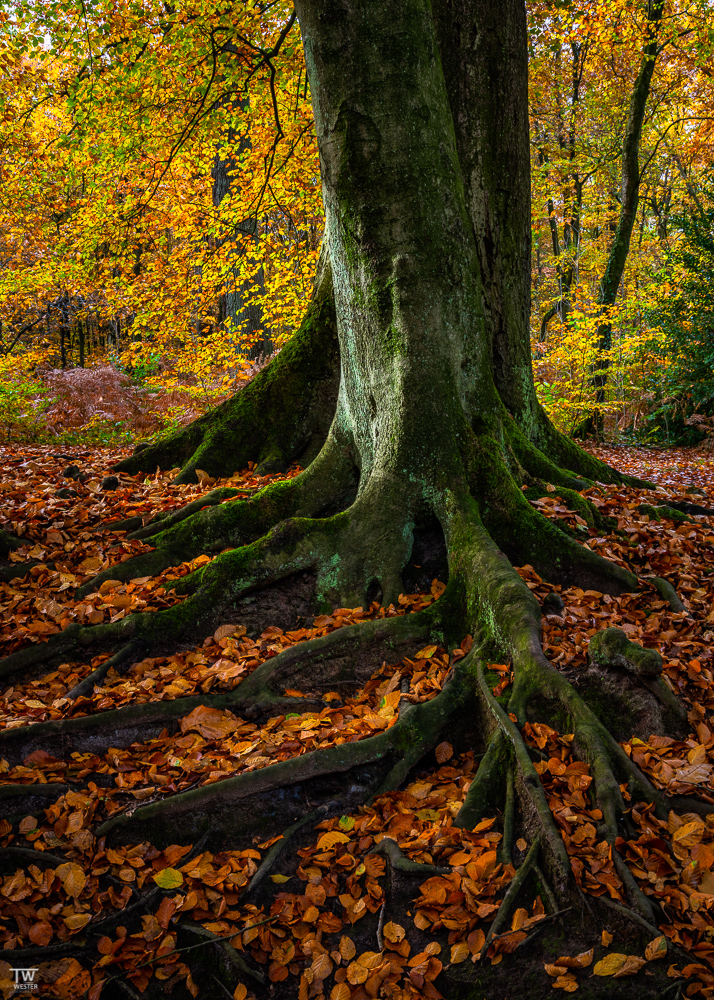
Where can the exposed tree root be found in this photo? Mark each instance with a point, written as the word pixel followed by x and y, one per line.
pixel 163 522
pixel 512 893
pixel 268 862
pixel 486 785
pixel 391 850
pixel 666 591
pixel 10 570
pixel 225 807
pixel 126 655
pixel 8 543
pixel 193 531
pixel 611 648
pixel 234 958
pixel 344 657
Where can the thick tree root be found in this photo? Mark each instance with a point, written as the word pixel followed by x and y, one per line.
pixel 666 591
pixel 13 571
pixel 391 850
pixel 125 656
pixel 17 801
pixel 163 522
pixel 235 960
pixel 270 859
pixel 487 785
pixel 611 648
pixel 282 788
pixel 557 860
pixel 566 453
pixel 194 531
pixel 342 659
pixel 527 537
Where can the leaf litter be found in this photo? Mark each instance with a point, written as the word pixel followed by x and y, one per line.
pixel 307 930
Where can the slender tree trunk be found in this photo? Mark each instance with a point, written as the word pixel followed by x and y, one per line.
pixel 63 330
pixel 246 317
pixel 629 197
pixel 81 334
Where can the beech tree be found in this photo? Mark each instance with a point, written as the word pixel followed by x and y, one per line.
pixel 407 395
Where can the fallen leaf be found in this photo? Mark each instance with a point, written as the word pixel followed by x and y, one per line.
pixel 168 878
pixel 610 964
pixel 656 949
pixel 72 878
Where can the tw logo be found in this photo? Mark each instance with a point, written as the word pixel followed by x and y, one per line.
pixel 25 980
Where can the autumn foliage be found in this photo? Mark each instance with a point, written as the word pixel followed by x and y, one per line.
pixel 174 230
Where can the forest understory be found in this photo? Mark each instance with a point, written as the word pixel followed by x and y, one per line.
pixel 317 872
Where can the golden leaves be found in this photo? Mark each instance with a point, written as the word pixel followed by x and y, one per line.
pixel 689 834
pixel 393 932
pixel 656 949
pixel 459 952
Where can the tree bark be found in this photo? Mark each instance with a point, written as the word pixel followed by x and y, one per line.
pixel 484 49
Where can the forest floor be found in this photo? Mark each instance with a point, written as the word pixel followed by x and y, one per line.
pixel 120 920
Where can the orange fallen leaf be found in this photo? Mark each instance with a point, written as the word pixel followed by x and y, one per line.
pixel 656 949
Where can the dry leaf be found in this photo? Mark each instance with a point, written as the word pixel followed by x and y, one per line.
pixel 656 949
pixel 328 840
pixel 76 921
pixel 610 964
pixel 459 952
pixel 567 982
pixel 72 878
pixel 689 834
pixel 633 965
pixel 393 932
pixel 444 752
pixel 210 722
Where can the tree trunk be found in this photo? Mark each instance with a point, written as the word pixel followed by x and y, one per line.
pixel 629 197
pixel 483 49
pixel 248 319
